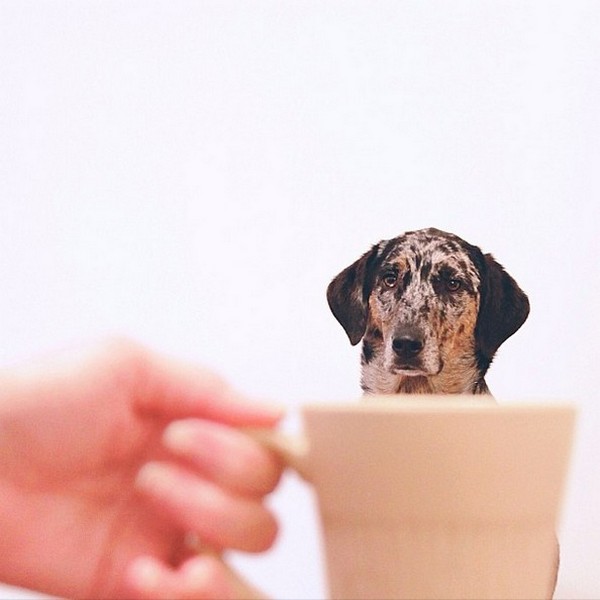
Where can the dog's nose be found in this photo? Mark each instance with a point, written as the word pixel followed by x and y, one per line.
pixel 407 346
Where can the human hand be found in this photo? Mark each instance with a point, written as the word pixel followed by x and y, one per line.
pixel 111 460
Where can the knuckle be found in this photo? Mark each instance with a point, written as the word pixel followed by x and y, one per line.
pixel 267 530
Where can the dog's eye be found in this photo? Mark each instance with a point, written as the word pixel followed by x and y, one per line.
pixel 390 279
pixel 453 285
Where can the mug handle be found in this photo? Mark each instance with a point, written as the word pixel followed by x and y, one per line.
pixel 292 450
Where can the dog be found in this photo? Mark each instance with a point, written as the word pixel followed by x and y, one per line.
pixel 431 310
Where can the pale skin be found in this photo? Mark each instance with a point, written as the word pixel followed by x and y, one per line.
pixel 112 459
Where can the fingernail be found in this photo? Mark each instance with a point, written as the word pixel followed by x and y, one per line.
pixel 269 404
pixel 276 409
pixel 263 404
pixel 265 409
pixel 154 476
pixel 180 437
pixel 145 574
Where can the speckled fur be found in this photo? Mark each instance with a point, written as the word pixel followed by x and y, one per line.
pixel 436 288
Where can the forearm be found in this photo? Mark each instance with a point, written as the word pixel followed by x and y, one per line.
pixel 29 529
pixel 15 518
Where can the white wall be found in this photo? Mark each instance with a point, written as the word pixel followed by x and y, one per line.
pixel 194 173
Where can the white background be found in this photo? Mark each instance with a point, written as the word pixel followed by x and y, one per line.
pixel 192 174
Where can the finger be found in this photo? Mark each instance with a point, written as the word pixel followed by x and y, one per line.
pixel 203 577
pixel 156 384
pixel 221 519
pixel 173 389
pixel 225 456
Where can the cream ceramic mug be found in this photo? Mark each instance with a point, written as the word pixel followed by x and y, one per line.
pixel 435 497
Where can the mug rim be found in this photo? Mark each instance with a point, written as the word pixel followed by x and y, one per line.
pixel 429 403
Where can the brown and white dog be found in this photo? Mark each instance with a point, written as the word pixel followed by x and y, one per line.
pixel 431 309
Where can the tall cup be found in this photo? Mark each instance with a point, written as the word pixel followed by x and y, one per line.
pixel 437 497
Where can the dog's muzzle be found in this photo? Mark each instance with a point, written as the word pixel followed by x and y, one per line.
pixel 410 355
pixel 408 345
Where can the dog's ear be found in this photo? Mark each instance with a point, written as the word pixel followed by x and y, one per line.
pixel 503 309
pixel 348 294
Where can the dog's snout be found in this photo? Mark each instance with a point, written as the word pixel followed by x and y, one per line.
pixel 407 345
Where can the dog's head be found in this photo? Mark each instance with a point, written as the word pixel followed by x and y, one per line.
pixel 427 303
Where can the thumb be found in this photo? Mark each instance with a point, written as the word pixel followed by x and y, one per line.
pixel 173 389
